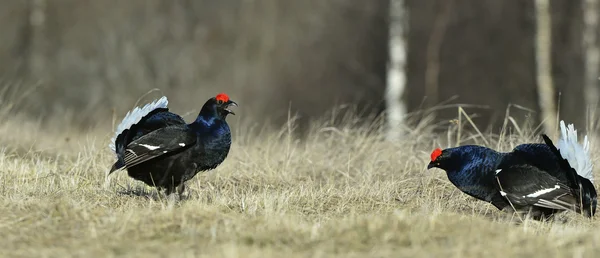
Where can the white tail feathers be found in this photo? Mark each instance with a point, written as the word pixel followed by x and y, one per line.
pixel 576 154
pixel 135 116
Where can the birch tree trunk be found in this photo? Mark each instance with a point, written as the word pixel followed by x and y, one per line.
pixel 396 73
pixel 591 50
pixel 543 48
pixel 37 24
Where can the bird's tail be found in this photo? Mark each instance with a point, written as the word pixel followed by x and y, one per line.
pixel 585 191
pixel 134 116
pixel 576 154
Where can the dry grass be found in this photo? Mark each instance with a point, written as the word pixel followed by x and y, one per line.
pixel 339 193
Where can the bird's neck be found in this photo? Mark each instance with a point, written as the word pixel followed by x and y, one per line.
pixel 206 122
pixel 208 115
pixel 213 133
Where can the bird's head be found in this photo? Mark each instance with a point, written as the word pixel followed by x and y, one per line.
pixel 223 103
pixel 438 159
pixel 218 106
pixel 453 159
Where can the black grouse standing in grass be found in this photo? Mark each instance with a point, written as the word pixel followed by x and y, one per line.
pixel 533 177
pixel 160 149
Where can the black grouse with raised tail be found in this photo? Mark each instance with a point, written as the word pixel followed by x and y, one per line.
pixel 536 177
pixel 160 149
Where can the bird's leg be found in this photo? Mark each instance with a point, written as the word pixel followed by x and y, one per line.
pixel 169 190
pixel 172 196
pixel 180 189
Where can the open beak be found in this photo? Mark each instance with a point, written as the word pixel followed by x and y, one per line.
pixel 229 104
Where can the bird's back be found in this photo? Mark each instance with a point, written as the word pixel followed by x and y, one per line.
pixel 541 156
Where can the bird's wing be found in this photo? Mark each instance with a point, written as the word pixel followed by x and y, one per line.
pixel 155 119
pixel 526 185
pixel 157 143
pixel 571 174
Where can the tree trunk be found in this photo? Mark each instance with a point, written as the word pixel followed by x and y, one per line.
pixel 543 48
pixel 591 54
pixel 37 22
pixel 396 72
pixel 433 51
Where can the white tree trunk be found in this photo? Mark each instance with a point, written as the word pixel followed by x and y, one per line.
pixel 396 74
pixel 591 54
pixel 543 48
pixel 37 23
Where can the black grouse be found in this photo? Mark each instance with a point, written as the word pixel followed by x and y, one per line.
pixel 537 177
pixel 160 149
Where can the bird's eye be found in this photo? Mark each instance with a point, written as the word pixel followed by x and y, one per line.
pixel 219 102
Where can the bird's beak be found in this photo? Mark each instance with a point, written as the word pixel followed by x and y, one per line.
pixel 431 165
pixel 229 104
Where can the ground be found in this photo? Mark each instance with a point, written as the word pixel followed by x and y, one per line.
pixel 339 193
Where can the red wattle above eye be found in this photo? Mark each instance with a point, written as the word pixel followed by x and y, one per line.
pixel 435 154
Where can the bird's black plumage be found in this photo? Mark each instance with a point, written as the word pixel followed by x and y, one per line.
pixel 555 186
pixel 471 169
pixel 534 177
pixel 162 150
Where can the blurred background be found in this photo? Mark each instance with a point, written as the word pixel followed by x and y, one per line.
pixel 86 61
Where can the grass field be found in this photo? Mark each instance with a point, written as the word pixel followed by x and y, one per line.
pixel 339 193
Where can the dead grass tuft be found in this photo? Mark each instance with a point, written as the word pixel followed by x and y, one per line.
pixel 341 192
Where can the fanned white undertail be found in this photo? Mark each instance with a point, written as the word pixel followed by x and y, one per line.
pixel 135 116
pixel 578 155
